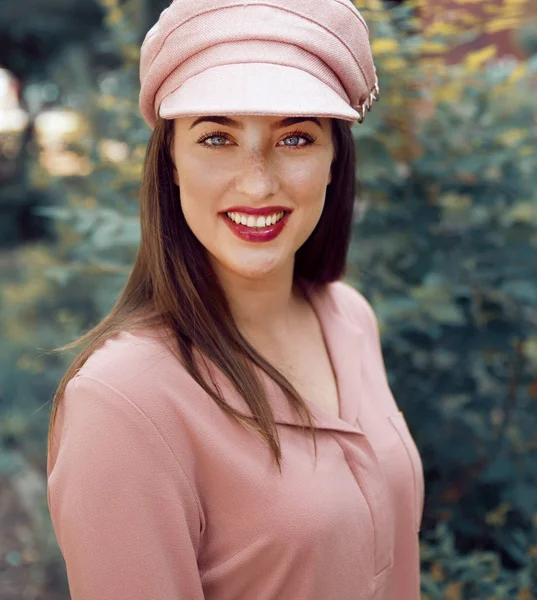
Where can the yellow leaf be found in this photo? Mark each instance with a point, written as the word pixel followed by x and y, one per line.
pixel 449 93
pixel 525 212
pixel 512 137
pixel 502 24
pixel 394 64
pixel 131 52
pixel 441 28
pixel 455 203
pixel 496 517
pixel 431 47
pixel 530 350
pixel 526 150
pixel 474 60
pixel 106 101
pixel 512 12
pixel 492 9
pixel 453 591
pixel 384 46
pixel 517 73
pixel 374 5
pixel 114 16
pixel 437 573
pixel 416 3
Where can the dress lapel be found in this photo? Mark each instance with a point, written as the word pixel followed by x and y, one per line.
pixel 344 341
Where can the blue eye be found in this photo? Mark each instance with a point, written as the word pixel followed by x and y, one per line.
pixel 222 135
pixel 212 137
pixel 294 137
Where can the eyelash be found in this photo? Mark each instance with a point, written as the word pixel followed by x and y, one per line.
pixel 309 138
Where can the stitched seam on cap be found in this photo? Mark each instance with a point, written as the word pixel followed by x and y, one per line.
pixel 358 16
pixel 306 17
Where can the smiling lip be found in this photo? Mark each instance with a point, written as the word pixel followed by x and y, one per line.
pixel 253 234
pixel 267 210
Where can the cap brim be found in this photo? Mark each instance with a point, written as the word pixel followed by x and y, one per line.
pixel 255 89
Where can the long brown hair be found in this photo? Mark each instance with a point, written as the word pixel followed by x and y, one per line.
pixel 172 284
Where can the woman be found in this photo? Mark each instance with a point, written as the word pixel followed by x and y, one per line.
pixel 229 432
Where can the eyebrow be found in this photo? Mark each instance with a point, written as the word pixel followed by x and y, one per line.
pixel 232 123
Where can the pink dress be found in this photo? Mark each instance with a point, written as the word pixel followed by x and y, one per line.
pixel 154 492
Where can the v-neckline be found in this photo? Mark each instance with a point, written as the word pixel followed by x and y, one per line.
pixel 344 342
pixel 329 351
pixel 343 338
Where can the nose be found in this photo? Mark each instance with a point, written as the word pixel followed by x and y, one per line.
pixel 257 177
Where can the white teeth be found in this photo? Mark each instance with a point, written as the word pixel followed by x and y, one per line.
pixel 251 221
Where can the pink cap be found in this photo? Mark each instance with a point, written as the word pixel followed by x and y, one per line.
pixel 260 57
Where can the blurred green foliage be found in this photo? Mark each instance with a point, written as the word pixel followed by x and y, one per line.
pixel 445 247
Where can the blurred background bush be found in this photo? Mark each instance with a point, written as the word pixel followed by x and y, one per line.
pixel 445 248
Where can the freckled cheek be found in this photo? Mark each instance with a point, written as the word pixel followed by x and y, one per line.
pixel 308 187
pixel 311 174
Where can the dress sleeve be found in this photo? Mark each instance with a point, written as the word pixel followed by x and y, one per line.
pixel 126 516
pixel 363 313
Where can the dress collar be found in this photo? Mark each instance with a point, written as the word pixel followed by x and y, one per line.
pixel 344 340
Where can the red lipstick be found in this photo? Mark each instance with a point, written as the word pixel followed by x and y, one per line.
pixel 254 234
pixel 267 210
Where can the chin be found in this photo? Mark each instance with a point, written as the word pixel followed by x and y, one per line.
pixel 256 268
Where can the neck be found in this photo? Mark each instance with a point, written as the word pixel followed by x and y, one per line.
pixel 264 309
